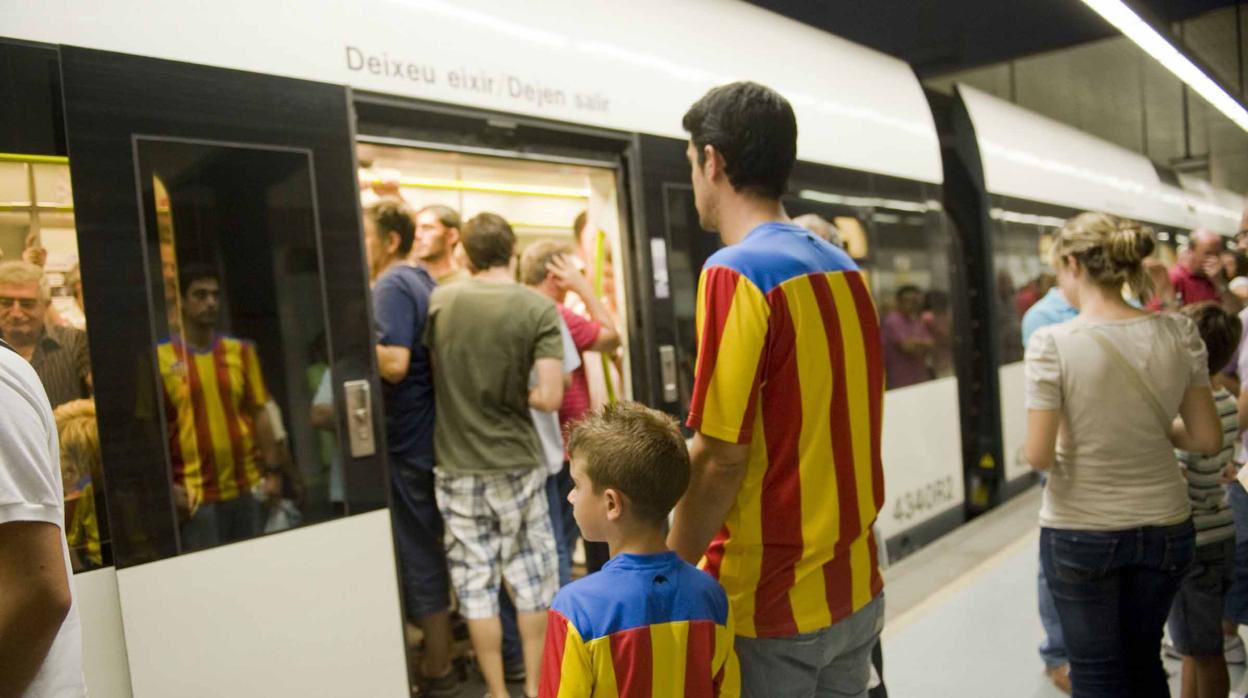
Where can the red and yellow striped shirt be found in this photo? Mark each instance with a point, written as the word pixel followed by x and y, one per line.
pixel 211 398
pixel 790 362
pixel 644 626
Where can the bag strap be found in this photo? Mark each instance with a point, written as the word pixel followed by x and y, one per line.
pixel 1133 376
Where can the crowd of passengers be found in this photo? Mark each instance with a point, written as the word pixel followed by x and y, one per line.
pixel 743 562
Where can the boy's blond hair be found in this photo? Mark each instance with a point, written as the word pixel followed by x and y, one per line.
pixel 80 440
pixel 637 451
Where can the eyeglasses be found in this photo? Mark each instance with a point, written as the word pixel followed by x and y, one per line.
pixel 26 304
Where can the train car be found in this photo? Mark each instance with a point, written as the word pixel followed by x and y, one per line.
pixel 146 137
pixel 1013 177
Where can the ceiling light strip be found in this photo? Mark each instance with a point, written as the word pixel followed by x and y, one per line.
pixel 1117 13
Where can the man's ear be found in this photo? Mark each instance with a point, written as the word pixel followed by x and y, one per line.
pixel 452 237
pixel 712 163
pixel 392 242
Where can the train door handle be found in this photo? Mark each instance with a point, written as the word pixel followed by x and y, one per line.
pixel 360 418
pixel 667 372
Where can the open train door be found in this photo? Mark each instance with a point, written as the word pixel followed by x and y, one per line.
pixel 176 166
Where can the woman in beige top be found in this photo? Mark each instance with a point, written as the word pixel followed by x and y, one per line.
pixel 1103 392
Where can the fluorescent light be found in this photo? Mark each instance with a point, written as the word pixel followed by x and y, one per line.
pixel 865 201
pixel 1026 218
pixel 1129 23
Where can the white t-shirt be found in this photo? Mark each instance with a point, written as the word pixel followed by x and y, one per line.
pixel 30 490
pixel 547 423
pixel 1116 467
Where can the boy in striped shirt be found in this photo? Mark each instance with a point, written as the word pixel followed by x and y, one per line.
pixel 1195 623
pixel 649 623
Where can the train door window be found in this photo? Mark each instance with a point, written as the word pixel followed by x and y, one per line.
pixel 41 315
pixel 1020 258
pixel 242 354
pixel 574 204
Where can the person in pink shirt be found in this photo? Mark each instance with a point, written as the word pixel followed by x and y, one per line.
pixel 908 343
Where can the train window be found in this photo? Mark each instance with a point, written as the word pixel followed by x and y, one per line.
pixel 1021 239
pixel 541 200
pixel 41 315
pixel 896 235
pixel 236 283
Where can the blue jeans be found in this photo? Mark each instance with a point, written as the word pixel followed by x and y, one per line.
pixel 1113 591
pixel 1236 609
pixel 220 523
pixel 834 661
pixel 512 653
pixel 1053 649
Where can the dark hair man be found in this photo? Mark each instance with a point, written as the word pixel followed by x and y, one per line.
pixel 487 335
pixel 437 236
pixel 40 635
pixel 215 400
pixel 785 525
pixel 400 306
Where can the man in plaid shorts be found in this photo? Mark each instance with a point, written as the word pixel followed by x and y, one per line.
pixel 486 334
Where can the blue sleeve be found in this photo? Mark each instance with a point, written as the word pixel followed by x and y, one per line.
pixel 400 310
pixel 1033 320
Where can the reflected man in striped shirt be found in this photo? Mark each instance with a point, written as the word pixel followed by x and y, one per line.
pixel 219 429
pixel 786 478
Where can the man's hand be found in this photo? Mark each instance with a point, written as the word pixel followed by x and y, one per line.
pixel 272 486
pixel 569 277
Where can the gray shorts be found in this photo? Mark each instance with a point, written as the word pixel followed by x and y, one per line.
pixel 1195 622
pixel 834 661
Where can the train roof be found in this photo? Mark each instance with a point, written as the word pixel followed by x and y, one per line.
pixel 583 62
pixel 1033 157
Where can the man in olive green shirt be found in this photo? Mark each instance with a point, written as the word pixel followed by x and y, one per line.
pixel 486 335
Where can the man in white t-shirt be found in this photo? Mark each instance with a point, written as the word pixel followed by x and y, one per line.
pixel 40 638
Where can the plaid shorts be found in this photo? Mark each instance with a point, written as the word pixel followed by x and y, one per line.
pixel 498 526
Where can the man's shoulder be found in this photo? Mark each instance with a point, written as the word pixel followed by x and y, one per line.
pixel 777 252
pixel 64 334
pixel 407 277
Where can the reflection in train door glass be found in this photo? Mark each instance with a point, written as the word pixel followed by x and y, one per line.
pixel 242 355
pixel 41 315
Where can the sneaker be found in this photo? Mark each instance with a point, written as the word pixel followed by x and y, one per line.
pixel 1168 649
pixel 514 673
pixel 1233 650
pixel 441 687
pixel 1060 676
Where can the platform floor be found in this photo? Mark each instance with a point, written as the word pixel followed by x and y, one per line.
pixel 965 621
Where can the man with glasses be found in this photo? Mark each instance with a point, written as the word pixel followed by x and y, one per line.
pixel 58 354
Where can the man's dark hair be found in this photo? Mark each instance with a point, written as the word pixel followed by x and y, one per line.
pixel 394 216
pixel 488 241
pixel 447 216
pixel 1219 329
pixel 191 272
pixel 753 128
pixel 908 288
pixel 637 451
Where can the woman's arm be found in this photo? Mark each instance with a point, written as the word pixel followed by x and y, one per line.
pixel 1040 447
pixel 1198 429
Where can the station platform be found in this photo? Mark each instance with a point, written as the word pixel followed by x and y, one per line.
pixel 962 618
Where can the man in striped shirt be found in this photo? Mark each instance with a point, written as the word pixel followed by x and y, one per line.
pixel 786 476
pixel 58 353
pixel 219 429
pixel 1195 623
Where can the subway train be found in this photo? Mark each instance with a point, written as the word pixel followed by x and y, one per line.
pixel 142 136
